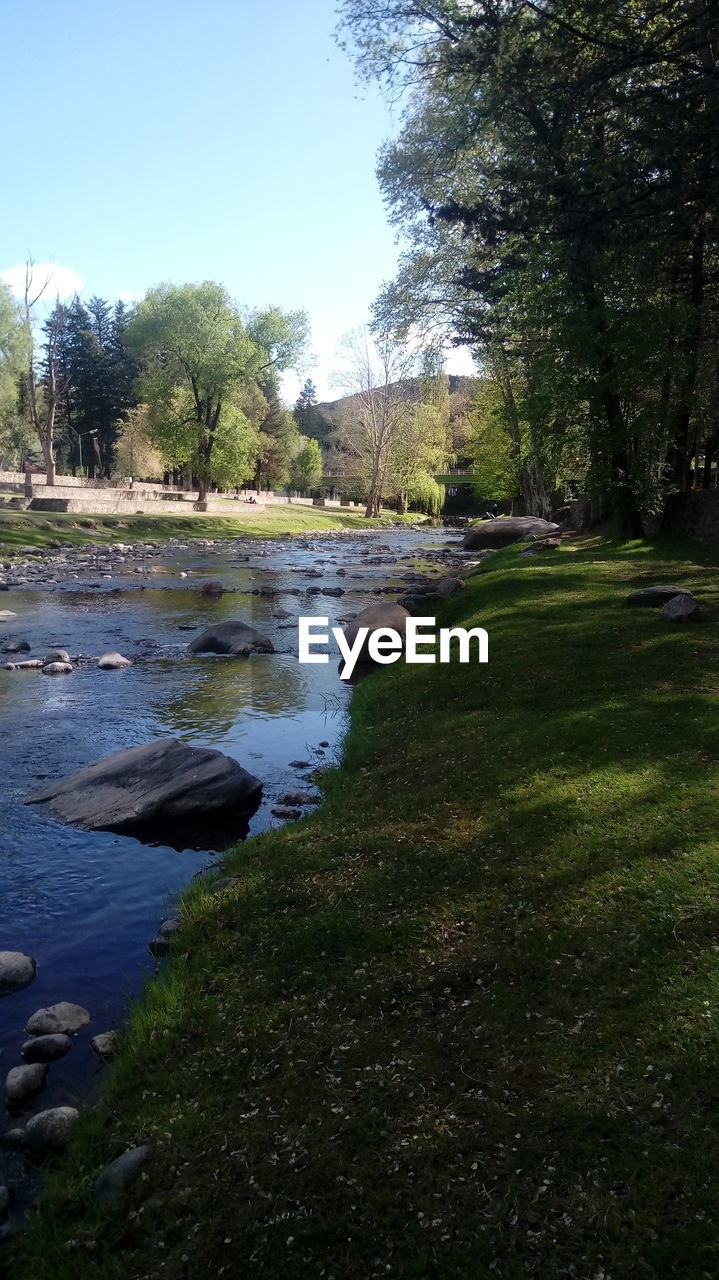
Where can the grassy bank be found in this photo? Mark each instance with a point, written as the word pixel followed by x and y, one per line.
pixel 463 1020
pixel 30 528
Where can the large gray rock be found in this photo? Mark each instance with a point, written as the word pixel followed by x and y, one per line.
pixel 20 1082
pixel 57 669
pixel 377 616
pixel 115 1177
pixel 58 1019
pixel 162 782
pixel 505 530
pixel 16 971
pixel 50 1130
pixel 236 638
pixel 657 596
pixel 683 608
pixel 46 1048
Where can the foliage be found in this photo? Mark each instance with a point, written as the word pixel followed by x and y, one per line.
pixel 135 454
pixel 556 178
pixel 306 465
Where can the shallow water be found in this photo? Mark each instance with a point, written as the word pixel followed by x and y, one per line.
pixel 85 904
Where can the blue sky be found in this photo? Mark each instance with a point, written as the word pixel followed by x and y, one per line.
pixel 196 139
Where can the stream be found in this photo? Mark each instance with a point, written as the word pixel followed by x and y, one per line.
pixel 86 904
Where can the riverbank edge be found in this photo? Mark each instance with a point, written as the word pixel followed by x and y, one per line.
pixel 406 1040
pixel 24 528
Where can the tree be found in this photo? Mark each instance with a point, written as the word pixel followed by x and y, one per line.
pixel 557 177
pixel 13 361
pixel 306 465
pixel 307 418
pixel 379 408
pixel 42 382
pixel 198 358
pixel 135 453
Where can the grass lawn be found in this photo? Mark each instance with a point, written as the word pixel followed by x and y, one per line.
pixel 29 528
pixel 462 1021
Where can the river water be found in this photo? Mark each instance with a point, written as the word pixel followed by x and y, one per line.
pixel 86 904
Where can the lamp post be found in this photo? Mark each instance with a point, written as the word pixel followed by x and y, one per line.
pixel 92 431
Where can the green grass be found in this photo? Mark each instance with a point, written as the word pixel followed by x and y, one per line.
pixel 462 1021
pixel 29 528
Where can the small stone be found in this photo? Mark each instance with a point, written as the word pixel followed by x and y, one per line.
pixel 6 615
pixel 168 927
pixel 113 662
pixel 115 1177
pixel 105 1045
pixel 45 1048
pixel 22 1081
pixel 325 743
pixel 283 811
pixel 63 1017
pixel 299 764
pixel 159 947
pixel 294 798
pixel 16 971
pixel 57 669
pixel 51 1129
pixel 57 655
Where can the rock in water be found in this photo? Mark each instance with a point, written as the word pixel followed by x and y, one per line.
pixel 683 608
pixel 157 786
pixel 57 669
pixel 113 662
pixel 16 971
pixel 50 1129
pixel 235 638
pixel 46 1048
pixel 375 617
pixel 104 1045
pixel 505 530
pixel 57 655
pixel 58 1019
pixel 22 1081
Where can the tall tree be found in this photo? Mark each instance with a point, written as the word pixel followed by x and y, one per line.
pixel 557 176
pixel 199 355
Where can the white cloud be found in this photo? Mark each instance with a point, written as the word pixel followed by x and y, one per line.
pixel 125 295
pixel 58 282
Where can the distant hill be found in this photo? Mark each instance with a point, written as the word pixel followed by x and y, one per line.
pixel 327 413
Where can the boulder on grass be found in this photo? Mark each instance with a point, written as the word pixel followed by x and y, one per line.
pixel 236 638
pixel 160 784
pixel 657 596
pixel 683 608
pixel 505 530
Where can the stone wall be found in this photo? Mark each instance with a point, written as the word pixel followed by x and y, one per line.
pixel 695 513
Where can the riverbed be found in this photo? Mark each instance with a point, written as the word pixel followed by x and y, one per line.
pixel 86 904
